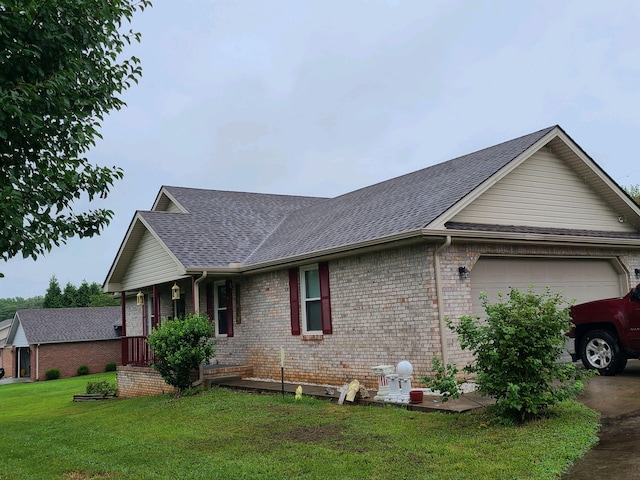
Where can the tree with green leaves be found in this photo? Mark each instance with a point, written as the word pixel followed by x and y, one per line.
pixel 87 295
pixel 53 296
pixel 61 72
pixel 180 346
pixel 634 192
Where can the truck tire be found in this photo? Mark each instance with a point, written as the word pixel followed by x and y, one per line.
pixel 601 350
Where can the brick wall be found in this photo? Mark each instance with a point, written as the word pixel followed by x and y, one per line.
pixel 145 381
pixel 69 356
pixel 384 310
pixel 140 382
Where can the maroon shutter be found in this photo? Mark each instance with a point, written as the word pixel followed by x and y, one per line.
pixel 325 297
pixel 209 295
pixel 229 287
pixel 294 301
pixel 156 307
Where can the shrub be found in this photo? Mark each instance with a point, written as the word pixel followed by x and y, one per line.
pixel 102 387
pixel 444 380
pixel 181 345
pixel 83 370
pixel 52 374
pixel 517 349
pixel 110 367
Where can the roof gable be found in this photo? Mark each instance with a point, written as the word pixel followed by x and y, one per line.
pixel 543 192
pixel 62 325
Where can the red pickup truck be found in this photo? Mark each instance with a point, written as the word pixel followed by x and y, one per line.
pixel 607 332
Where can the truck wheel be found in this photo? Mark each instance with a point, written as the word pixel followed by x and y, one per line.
pixel 601 350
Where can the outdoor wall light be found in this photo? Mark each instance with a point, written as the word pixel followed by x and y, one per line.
pixel 140 298
pixel 175 292
pixel 637 272
pixel 463 272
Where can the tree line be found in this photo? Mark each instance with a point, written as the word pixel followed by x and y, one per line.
pixel 86 295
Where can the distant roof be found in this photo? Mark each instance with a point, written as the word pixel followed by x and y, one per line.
pixel 61 325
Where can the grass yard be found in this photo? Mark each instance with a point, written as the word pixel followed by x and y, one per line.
pixel 222 434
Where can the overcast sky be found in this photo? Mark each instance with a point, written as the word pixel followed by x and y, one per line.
pixel 323 97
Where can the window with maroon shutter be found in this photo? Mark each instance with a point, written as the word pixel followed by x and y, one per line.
pixel 314 299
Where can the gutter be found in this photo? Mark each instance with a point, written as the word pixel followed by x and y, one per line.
pixel 441 321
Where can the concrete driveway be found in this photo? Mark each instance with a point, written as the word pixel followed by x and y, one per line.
pixel 617 454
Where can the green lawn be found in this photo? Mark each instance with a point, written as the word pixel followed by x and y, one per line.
pixel 222 434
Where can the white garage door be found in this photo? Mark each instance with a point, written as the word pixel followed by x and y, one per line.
pixel 579 279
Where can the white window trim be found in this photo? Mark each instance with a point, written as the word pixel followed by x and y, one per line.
pixel 216 309
pixel 303 299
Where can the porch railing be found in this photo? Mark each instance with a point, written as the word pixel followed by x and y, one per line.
pixel 136 351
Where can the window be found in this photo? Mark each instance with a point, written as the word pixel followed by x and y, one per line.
pixel 220 307
pixel 310 300
pixel 310 296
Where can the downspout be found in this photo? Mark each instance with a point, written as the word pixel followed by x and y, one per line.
pixel 441 321
pixel 37 362
pixel 196 292
pixel 196 307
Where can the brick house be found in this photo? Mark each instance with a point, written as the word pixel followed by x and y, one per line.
pixel 64 338
pixel 368 278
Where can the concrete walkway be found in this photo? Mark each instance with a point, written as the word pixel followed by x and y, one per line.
pixel 617 454
pixel 467 402
pixel 6 380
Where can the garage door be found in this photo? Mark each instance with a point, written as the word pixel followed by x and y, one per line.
pixel 580 279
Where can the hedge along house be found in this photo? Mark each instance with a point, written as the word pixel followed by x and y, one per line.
pixel 63 338
pixel 368 278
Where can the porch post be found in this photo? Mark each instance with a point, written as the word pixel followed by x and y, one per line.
pixel 123 340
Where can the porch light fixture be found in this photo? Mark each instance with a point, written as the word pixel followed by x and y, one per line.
pixel 463 272
pixel 175 292
pixel 140 298
pixel 637 272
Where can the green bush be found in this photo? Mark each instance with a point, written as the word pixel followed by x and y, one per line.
pixel 443 380
pixel 517 349
pixel 102 387
pixel 110 367
pixel 181 345
pixel 52 374
pixel 83 370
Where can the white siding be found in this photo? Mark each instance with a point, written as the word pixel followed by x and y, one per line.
pixel 20 339
pixel 151 264
pixel 172 208
pixel 543 192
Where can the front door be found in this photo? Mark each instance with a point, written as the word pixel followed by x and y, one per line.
pixel 23 362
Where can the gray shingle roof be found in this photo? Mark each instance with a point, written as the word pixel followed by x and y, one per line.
pixel 223 227
pixel 61 325
pixel 399 205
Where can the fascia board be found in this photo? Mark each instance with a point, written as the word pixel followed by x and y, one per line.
pixel 137 222
pixel 163 191
pixel 438 222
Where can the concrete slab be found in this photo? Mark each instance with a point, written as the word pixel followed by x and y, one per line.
pixel 617 454
pixel 466 403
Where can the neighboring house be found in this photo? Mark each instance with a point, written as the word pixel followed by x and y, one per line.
pixel 64 338
pixel 4 332
pixel 369 277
